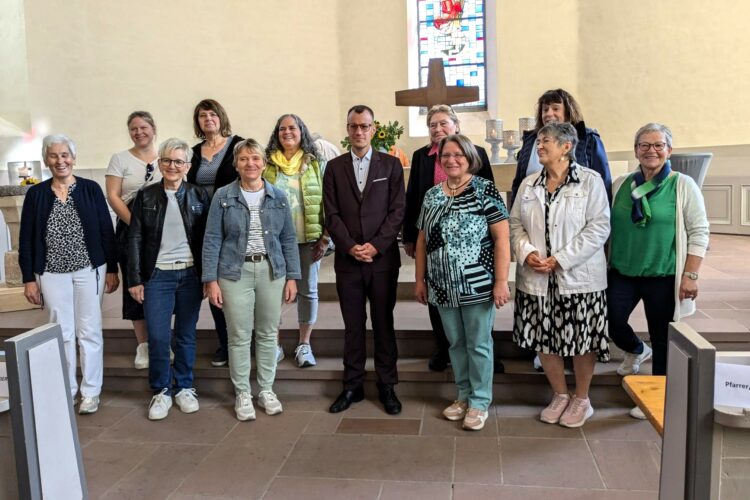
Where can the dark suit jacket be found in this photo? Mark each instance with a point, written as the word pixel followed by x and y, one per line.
pixel 421 179
pixel 374 216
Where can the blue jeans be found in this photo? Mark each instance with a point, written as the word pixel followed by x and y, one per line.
pixel 307 287
pixel 657 293
pixel 179 291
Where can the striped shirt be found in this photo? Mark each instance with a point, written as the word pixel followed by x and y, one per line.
pixel 255 243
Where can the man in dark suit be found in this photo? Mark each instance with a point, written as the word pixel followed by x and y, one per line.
pixel 364 202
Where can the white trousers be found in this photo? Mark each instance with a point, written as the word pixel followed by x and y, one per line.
pixel 74 301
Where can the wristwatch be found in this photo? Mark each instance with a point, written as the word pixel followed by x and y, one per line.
pixel 692 276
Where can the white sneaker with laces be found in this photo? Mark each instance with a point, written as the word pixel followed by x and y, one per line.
pixel 631 364
pixel 304 356
pixel 243 406
pixel 160 405
pixel 141 356
pixel 187 400
pixel 636 412
pixel 538 364
pixel 268 401
pixel 88 405
pixel 279 354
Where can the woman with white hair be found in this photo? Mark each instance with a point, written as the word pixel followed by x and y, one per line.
pixel 68 258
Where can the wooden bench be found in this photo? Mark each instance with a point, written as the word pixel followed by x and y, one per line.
pixel 648 392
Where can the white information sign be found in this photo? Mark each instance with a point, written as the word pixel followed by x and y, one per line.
pixel 3 379
pixel 732 385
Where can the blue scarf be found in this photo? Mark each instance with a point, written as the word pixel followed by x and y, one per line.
pixel 641 191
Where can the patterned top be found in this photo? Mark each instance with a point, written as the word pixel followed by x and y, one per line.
pixel 571 177
pixel 66 244
pixel 292 186
pixel 206 175
pixel 255 242
pixel 460 249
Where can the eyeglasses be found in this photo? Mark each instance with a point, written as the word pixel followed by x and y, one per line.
pixel 645 146
pixel 149 172
pixel 166 162
pixel 448 156
pixel 356 126
pixel 441 124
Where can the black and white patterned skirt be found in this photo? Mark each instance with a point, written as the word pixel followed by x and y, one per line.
pixel 566 325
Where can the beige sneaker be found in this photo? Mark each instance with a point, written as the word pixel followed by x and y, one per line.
pixel 578 411
pixel 141 356
pixel 474 419
pixel 555 409
pixel 456 411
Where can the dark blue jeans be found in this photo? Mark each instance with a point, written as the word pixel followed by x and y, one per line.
pixel 179 291
pixel 657 293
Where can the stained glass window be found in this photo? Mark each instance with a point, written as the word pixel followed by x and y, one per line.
pixel 454 31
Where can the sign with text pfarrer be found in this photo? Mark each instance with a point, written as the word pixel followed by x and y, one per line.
pixel 732 385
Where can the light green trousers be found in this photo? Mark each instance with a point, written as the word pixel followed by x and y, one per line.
pixel 469 331
pixel 253 302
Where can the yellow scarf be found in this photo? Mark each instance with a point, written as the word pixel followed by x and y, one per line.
pixel 289 167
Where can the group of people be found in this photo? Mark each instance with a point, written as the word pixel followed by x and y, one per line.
pixel 246 226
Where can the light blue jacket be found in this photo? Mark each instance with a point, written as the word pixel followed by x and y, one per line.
pixel 225 242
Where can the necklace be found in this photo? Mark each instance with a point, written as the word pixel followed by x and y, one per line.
pixel 455 189
pixel 252 190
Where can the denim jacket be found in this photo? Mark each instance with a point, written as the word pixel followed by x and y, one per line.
pixel 225 241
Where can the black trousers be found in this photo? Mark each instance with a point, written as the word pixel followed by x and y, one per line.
pixel 354 290
pixel 657 294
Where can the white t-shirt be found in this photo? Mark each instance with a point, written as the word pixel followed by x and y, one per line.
pixel 132 170
pixel 255 243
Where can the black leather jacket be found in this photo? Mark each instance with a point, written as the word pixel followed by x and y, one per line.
pixel 147 223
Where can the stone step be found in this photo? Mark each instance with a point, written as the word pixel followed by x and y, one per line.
pixel 520 382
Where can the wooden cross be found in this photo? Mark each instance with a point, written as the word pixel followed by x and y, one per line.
pixel 436 91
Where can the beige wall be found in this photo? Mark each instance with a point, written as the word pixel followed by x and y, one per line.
pixel 91 62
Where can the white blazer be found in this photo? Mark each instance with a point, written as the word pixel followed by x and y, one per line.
pixel 579 228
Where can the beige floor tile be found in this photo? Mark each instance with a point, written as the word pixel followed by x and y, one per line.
pixel 294 488
pixel 477 461
pixel 399 458
pixel 434 424
pixel 548 462
pixel 108 462
pixel 283 429
pixel 324 423
pixel 627 464
pixel 624 430
pixel 236 471
pixel 393 426
pixel 477 491
pixel 533 427
pixel 105 417
pixel 161 472
pixel 415 491
pixel 307 403
pixel 88 434
pixel 206 426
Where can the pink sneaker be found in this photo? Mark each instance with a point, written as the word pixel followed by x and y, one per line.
pixel 555 409
pixel 578 411
pixel 456 411
pixel 474 419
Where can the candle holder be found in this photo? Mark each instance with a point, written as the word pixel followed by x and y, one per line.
pixel 511 142
pixel 526 123
pixel 494 138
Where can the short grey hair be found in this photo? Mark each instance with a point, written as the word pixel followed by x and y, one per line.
pixel 654 127
pixel 175 144
pixel 561 133
pixel 58 139
pixel 467 148
pixel 443 108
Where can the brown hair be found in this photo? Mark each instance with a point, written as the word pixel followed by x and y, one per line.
pixel 559 96
pixel 211 105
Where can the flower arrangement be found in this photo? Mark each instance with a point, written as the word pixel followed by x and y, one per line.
pixel 29 181
pixel 385 136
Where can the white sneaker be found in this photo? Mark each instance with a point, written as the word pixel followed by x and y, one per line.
pixel 243 406
pixel 304 356
pixel 279 354
pixel 160 405
pixel 141 356
pixel 631 365
pixel 187 400
pixel 538 364
pixel 88 405
pixel 637 413
pixel 269 401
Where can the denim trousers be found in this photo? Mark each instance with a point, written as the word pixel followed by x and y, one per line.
pixel 74 302
pixel 253 303
pixel 469 331
pixel 657 294
pixel 307 287
pixel 179 291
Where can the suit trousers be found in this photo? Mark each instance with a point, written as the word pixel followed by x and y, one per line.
pixel 354 290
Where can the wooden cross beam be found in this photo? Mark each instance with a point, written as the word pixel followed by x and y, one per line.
pixel 436 91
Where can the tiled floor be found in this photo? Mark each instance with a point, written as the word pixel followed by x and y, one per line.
pixel 309 453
